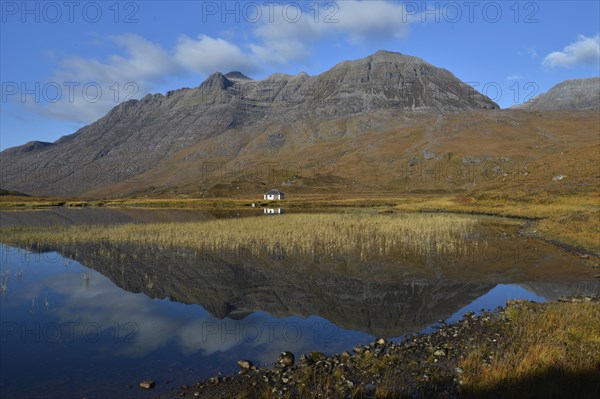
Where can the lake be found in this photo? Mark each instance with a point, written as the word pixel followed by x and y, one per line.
pixel 94 320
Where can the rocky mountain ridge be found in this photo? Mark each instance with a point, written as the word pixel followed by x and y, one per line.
pixel 137 135
pixel 576 94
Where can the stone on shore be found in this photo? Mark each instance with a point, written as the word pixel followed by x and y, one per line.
pixel 245 364
pixel 286 359
pixel 147 384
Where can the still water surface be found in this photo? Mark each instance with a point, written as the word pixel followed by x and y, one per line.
pixel 92 322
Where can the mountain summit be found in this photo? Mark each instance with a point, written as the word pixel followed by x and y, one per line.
pixel 570 94
pixel 143 133
pixel 236 75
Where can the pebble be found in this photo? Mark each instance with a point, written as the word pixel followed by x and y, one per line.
pixel 245 364
pixel 286 359
pixel 439 352
pixel 147 384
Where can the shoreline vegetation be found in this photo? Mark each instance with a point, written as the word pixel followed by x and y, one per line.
pixel 569 220
pixel 362 233
pixel 536 350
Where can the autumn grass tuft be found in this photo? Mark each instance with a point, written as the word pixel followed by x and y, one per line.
pixel 303 233
pixel 575 228
pixel 568 219
pixel 552 350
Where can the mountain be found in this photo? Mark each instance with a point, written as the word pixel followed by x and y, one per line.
pixel 385 151
pixel 570 94
pixel 137 135
pixel 385 123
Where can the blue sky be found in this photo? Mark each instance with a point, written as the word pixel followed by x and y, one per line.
pixel 64 65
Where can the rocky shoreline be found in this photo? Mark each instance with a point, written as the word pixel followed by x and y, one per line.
pixel 421 365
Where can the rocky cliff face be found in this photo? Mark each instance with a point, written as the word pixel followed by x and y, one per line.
pixel 137 135
pixel 577 94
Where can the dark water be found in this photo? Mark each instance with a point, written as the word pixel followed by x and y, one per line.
pixel 110 216
pixel 90 321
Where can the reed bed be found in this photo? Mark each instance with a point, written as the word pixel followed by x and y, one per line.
pixel 304 233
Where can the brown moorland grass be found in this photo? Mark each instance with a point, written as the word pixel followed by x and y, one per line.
pixel 575 228
pixel 551 352
pixel 304 233
pixel 571 219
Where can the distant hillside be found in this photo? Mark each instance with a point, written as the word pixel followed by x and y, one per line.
pixel 14 193
pixel 389 151
pixel 136 136
pixel 571 94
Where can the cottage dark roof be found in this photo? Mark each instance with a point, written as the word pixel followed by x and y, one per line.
pixel 274 192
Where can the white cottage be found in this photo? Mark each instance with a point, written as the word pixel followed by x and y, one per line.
pixel 274 195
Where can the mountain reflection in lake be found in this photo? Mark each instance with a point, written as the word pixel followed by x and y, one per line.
pixel 89 320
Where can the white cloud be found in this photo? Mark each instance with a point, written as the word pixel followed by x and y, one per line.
pixel 355 21
pixel 207 55
pixel 584 51
pixel 91 87
pixel 281 40
pixel 373 20
pixel 515 76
